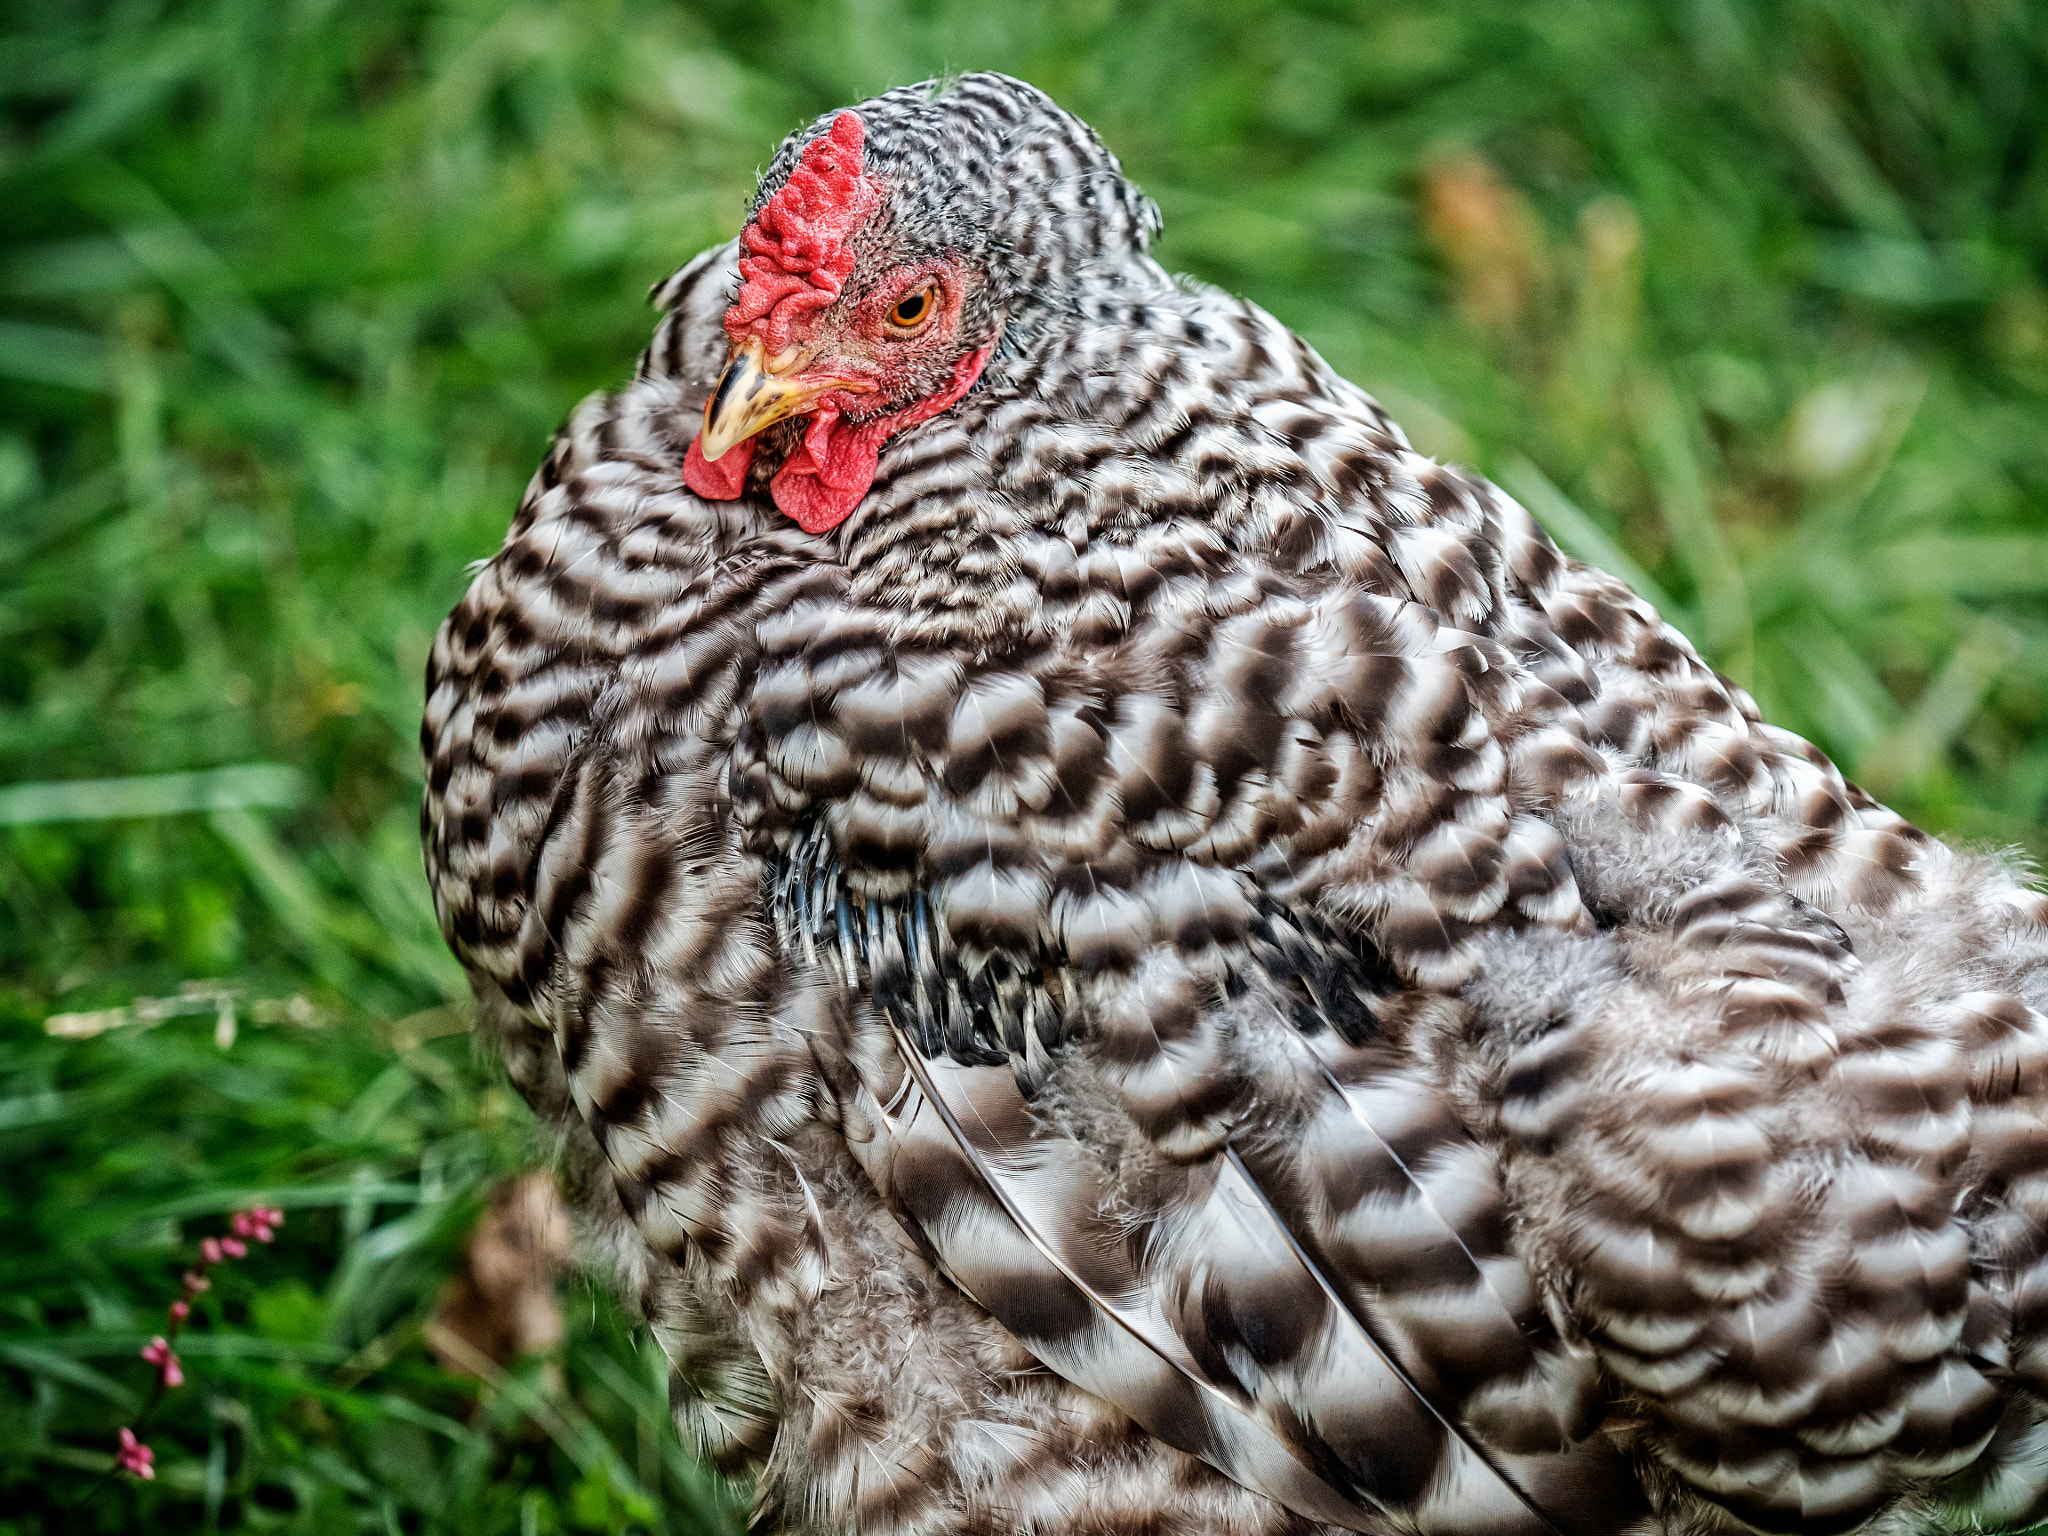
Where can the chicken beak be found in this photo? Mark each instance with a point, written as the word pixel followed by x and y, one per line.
pixel 753 394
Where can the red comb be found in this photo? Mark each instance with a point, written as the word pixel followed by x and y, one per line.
pixel 797 254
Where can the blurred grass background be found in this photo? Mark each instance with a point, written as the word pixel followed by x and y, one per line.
pixel 1747 301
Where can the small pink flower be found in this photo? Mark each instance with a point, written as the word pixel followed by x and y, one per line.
pixel 234 1247
pixel 260 1222
pixel 158 1353
pixel 195 1282
pixel 135 1457
pixel 180 1310
pixel 209 1249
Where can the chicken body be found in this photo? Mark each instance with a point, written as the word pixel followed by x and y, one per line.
pixel 1183 970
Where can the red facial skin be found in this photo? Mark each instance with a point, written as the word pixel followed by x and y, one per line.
pixel 794 271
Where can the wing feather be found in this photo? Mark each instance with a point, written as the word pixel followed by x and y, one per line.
pixel 953 1161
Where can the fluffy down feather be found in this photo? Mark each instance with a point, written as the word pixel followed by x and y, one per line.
pixel 1185 970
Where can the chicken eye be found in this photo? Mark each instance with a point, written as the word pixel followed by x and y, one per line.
pixel 913 309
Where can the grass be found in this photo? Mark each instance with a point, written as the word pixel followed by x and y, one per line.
pixel 1749 302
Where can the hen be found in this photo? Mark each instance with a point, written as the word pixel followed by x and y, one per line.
pixel 1113 950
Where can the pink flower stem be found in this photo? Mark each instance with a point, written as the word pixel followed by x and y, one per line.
pixel 134 1458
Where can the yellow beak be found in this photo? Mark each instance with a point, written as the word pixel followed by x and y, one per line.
pixel 752 394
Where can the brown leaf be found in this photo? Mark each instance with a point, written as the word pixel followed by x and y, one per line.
pixel 502 1302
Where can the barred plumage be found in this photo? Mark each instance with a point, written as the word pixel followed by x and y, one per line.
pixel 1182 969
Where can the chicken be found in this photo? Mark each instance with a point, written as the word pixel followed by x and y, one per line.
pixel 1113 950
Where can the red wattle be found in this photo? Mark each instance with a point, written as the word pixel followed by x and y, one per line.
pixel 722 481
pixel 832 469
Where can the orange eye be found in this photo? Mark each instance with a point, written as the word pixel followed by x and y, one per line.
pixel 914 308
